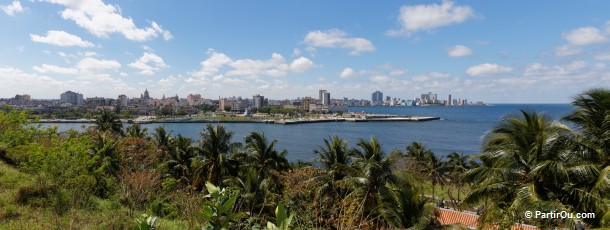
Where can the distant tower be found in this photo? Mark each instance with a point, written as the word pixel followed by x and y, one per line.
pixel 377 97
pixel 449 100
pixel 322 91
pixel 146 95
pixel 259 101
pixel 326 98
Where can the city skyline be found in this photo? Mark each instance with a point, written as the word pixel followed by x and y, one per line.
pixel 497 52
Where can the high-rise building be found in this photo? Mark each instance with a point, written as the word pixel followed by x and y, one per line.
pixel 449 100
pixel 122 101
pixel 193 99
pixel 322 91
pixel 429 98
pixel 325 98
pixel 377 97
pixel 259 101
pixel 72 98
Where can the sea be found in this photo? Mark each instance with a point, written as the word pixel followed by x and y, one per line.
pixel 461 128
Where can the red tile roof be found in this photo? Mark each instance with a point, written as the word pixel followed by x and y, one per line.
pixel 448 216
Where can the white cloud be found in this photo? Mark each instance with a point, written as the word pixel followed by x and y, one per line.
pixel 537 69
pixel 428 17
pixel 296 52
pixel 380 79
pixel 567 50
pixel 584 36
pixel 347 72
pixel 46 68
pixel 487 69
pixel 13 8
pixel 459 51
pixel 602 57
pixel 301 64
pixel 103 19
pixel 276 66
pixel 89 64
pixel 61 38
pixel 213 63
pixel 148 64
pixel 335 38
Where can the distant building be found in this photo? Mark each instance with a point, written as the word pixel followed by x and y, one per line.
pixel 322 91
pixel 259 101
pixel 377 97
pixel 123 101
pixel 24 99
pixel 325 100
pixel 145 95
pixel 73 98
pixel 449 100
pixel 194 99
pixel 429 98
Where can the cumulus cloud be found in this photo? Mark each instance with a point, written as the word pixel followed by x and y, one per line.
pixel 91 64
pixel 428 17
pixel 459 51
pixel 60 38
pixel 276 66
pixel 537 69
pixel 13 8
pixel 103 19
pixel 301 64
pixel 488 69
pixel 584 36
pixel 347 72
pixel 148 64
pixel 335 38
pixel 567 50
pixel 46 68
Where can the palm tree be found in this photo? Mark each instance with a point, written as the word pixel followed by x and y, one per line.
pixel 592 115
pixel 215 164
pixel 137 131
pixel 108 121
pixel 104 162
pixel 162 138
pixel 334 158
pixel 524 168
pixel 264 157
pixel 435 170
pixel 369 173
pixel 456 165
pixel 178 165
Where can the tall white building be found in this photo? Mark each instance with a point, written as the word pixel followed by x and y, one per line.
pixel 72 98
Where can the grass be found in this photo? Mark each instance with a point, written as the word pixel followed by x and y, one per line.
pixel 100 214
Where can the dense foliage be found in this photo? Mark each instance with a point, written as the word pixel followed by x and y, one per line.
pixel 111 177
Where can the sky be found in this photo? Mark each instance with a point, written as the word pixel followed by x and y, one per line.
pixel 494 51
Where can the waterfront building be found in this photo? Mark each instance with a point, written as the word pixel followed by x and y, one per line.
pixel 258 101
pixel 194 99
pixel 429 98
pixel 449 100
pixel 322 91
pixel 377 97
pixel 325 98
pixel 122 101
pixel 73 98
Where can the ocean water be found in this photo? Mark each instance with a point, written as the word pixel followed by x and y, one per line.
pixel 460 129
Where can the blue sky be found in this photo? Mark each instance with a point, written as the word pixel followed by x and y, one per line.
pixel 492 51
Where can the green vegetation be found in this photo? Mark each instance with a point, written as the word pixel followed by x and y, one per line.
pixel 110 178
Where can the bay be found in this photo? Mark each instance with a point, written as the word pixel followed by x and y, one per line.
pixel 461 128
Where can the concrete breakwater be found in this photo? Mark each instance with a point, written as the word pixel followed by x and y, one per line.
pixel 367 118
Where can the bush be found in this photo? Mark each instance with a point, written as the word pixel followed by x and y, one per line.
pixel 25 194
pixel 9 212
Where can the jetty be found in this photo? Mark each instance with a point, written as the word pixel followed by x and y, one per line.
pixel 353 117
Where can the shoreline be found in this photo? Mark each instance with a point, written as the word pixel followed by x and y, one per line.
pixel 280 121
